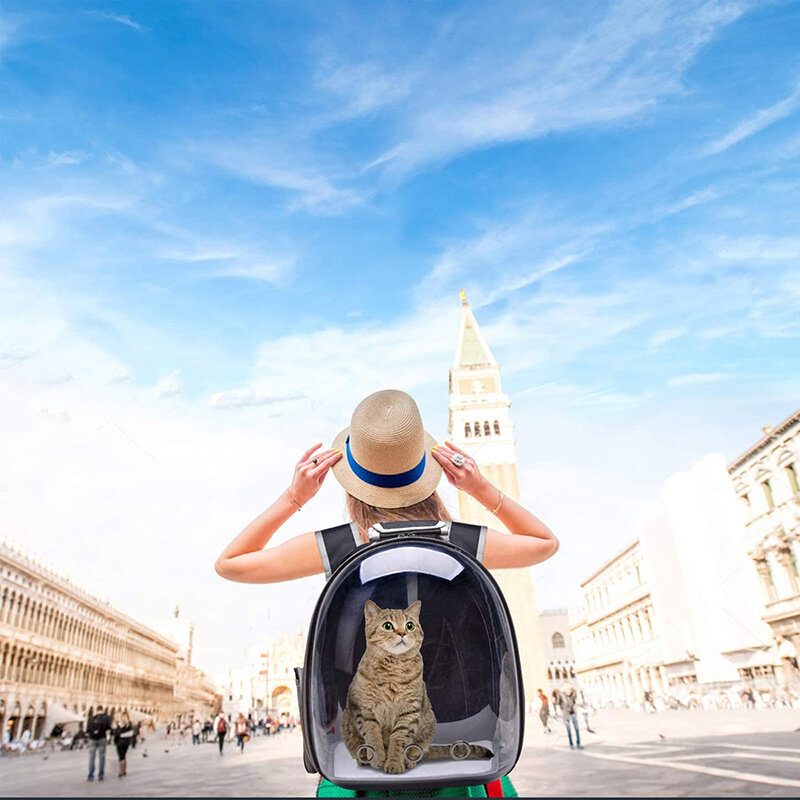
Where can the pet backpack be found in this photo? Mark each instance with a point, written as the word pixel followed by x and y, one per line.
pixel 414 605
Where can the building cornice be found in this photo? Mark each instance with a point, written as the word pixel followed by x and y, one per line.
pixel 610 561
pixel 38 572
pixel 765 441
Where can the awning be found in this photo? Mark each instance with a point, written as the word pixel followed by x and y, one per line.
pixel 59 715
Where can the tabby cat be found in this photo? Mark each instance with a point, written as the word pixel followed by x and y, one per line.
pixel 387 707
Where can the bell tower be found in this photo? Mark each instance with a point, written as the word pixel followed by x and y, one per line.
pixel 480 424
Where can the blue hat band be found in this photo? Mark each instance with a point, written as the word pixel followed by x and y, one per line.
pixel 395 481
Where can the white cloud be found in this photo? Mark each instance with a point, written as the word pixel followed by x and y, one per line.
pixel 665 336
pixel 241 398
pixel 758 122
pixel 697 378
pixel 168 386
pixel 617 69
pixel 67 158
pixel 120 19
pixel 233 260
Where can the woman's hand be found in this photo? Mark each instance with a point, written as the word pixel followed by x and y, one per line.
pixel 310 472
pixel 467 477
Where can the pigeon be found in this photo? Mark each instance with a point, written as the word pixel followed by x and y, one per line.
pixel 662 737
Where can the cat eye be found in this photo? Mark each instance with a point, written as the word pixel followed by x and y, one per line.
pixel 409 626
pixel 387 626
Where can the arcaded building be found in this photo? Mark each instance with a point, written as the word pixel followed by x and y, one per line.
pixel 59 645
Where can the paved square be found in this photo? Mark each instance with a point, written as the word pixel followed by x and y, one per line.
pixel 686 753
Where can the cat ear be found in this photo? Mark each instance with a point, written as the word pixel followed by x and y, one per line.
pixel 414 608
pixel 370 610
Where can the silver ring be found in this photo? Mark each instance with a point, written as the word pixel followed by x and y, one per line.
pixel 413 753
pixel 457 459
pixel 460 750
pixel 365 754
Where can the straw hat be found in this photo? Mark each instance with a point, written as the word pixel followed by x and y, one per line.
pixel 387 458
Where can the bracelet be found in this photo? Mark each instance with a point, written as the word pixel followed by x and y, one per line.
pixel 289 495
pixel 499 502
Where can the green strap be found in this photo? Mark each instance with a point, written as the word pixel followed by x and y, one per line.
pixel 328 789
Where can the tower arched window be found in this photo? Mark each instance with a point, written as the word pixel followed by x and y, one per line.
pixel 558 639
pixel 497 427
pixel 477 429
pixel 487 431
pixel 467 429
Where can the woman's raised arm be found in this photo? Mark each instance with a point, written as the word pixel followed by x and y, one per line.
pixel 531 541
pixel 245 560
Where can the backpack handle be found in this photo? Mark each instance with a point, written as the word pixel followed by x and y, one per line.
pixel 337 543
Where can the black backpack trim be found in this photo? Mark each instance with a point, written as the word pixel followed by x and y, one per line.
pixel 338 543
pixel 335 545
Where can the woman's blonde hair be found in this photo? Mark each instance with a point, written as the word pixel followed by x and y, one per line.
pixel 365 515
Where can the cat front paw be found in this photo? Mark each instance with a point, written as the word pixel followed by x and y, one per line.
pixel 395 765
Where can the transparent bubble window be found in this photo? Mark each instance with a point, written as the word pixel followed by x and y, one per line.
pixel 469 668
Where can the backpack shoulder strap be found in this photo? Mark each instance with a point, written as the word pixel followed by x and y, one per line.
pixel 471 538
pixel 336 544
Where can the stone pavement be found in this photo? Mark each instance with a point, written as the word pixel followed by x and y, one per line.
pixel 685 753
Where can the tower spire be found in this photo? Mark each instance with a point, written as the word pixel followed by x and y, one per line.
pixel 472 350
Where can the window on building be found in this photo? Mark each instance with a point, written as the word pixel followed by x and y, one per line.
pixel 558 640
pixel 467 430
pixel 745 500
pixel 497 429
pixel 487 431
pixel 791 476
pixel 477 429
pixel 767 487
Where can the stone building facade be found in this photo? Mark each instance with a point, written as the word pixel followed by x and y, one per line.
pixel 557 647
pixel 615 636
pixel 766 478
pixel 58 644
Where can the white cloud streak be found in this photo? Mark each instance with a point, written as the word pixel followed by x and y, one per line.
pixel 756 123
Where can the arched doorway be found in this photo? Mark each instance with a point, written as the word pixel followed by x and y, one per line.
pixel 282 701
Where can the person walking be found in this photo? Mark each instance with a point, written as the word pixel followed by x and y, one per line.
pixel 97 728
pixel 390 473
pixel 242 731
pixel 220 729
pixel 567 701
pixel 196 730
pixel 585 707
pixel 544 711
pixel 123 738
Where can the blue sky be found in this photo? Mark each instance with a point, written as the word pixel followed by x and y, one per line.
pixel 223 224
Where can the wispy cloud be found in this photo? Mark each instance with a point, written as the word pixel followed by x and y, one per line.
pixel 168 386
pixel 622 65
pixel 120 19
pixel 311 184
pixel 697 378
pixel 242 398
pixel 756 123
pixel 231 260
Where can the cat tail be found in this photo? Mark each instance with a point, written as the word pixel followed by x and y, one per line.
pixel 442 751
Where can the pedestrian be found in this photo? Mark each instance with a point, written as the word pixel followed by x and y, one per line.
pixel 585 708
pixel 544 711
pixel 390 474
pixel 196 729
pixel 220 729
pixel 123 737
pixel 208 728
pixel 567 702
pixel 555 706
pixel 97 728
pixel 242 731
